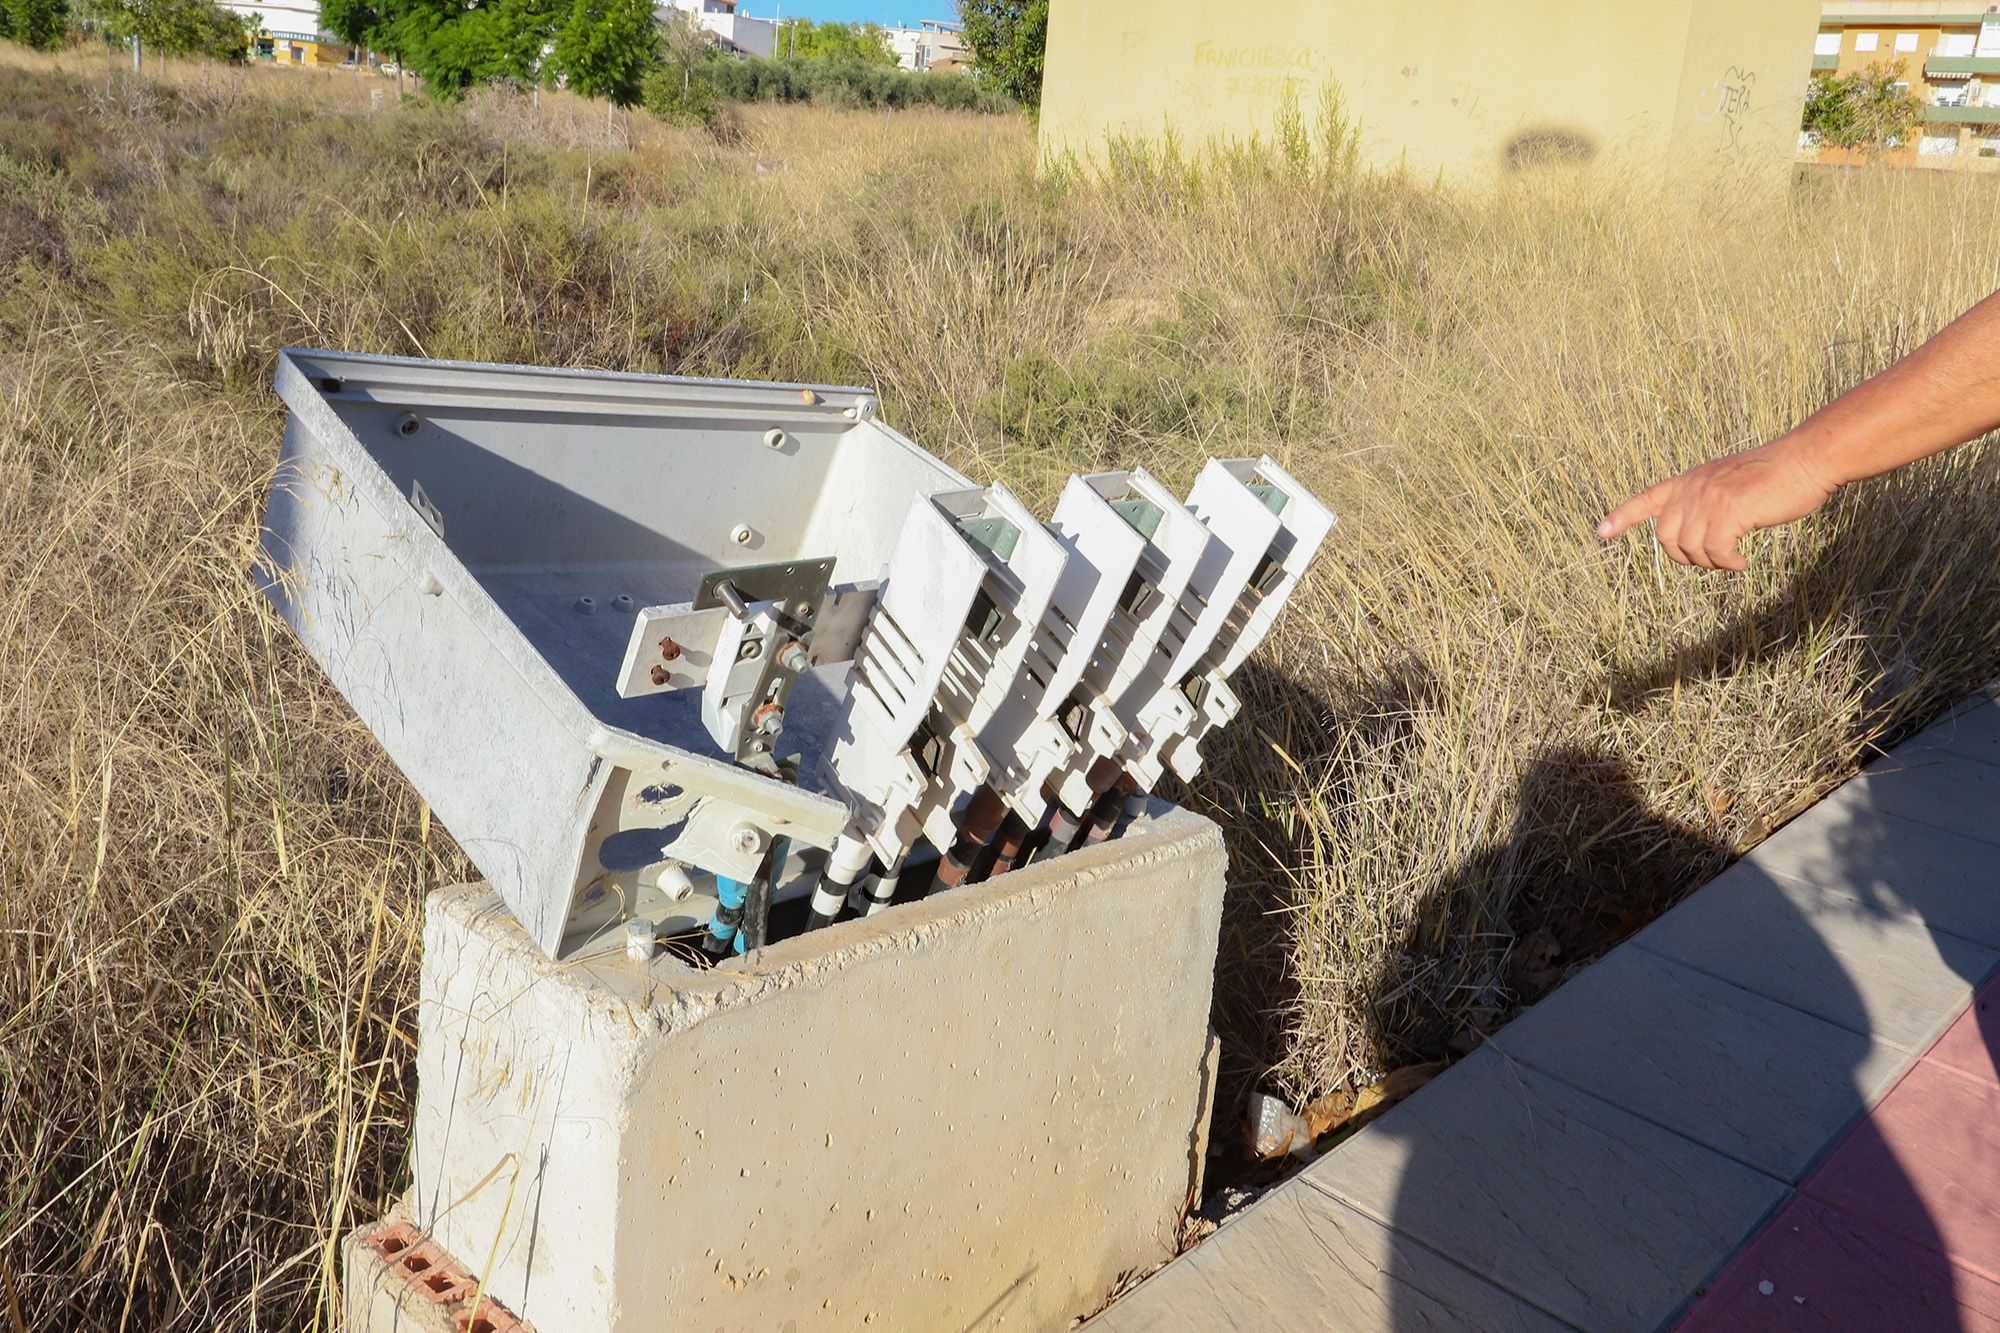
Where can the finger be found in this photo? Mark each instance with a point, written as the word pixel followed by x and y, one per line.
pixel 1667 532
pixel 1694 539
pixel 1646 504
pixel 1723 550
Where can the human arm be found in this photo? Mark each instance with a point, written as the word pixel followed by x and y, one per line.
pixel 1943 394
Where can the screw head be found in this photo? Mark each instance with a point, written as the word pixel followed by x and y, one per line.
pixel 658 675
pixel 776 438
pixel 669 650
pixel 741 534
pixel 745 838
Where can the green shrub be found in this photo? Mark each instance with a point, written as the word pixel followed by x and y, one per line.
pixel 681 97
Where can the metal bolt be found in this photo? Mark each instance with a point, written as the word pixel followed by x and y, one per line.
pixel 406 424
pixel 792 657
pixel 749 650
pixel 741 534
pixel 745 839
pixel 768 720
pixel 803 610
pixel 669 650
pixel 658 675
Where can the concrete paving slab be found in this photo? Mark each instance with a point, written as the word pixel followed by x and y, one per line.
pixel 1299 1259
pixel 1971 1045
pixel 1830 1270
pixel 1747 1076
pixel 1892 863
pixel 1972 730
pixel 1596 1216
pixel 1933 786
pixel 1885 976
pixel 1926 1165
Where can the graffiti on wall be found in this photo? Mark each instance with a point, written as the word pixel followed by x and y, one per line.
pixel 1728 101
pixel 1257 71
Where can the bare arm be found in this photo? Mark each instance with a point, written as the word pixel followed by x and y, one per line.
pixel 1943 394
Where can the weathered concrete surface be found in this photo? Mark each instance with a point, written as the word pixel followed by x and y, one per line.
pixel 1882 974
pixel 1334 1268
pixel 986 1107
pixel 1753 1079
pixel 1598 1217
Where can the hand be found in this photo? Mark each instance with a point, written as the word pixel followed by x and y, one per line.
pixel 1700 516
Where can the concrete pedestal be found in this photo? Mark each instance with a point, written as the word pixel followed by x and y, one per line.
pixel 986 1108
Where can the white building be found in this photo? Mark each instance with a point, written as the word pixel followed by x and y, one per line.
pixel 932 44
pixel 738 32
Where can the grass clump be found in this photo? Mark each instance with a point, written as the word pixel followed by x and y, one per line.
pixel 1479 750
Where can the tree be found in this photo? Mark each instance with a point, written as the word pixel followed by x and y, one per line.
pixel 680 91
pixel 606 48
pixel 38 23
pixel 802 39
pixel 359 23
pixel 1866 110
pixel 180 27
pixel 1007 38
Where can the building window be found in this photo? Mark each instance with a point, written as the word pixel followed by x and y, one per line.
pixel 1956 44
pixel 1828 44
pixel 1949 94
pixel 1989 37
pixel 1867 41
pixel 1937 145
pixel 1906 41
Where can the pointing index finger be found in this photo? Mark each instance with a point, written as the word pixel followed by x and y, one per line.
pixel 1646 504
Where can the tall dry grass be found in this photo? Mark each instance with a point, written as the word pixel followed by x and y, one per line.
pixel 1480 749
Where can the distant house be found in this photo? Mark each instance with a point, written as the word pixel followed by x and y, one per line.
pixel 290 34
pixel 738 33
pixel 1947 54
pixel 932 44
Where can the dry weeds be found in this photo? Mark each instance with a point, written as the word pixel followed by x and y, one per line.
pixel 1480 750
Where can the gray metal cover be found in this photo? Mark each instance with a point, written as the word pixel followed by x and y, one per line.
pixel 434 531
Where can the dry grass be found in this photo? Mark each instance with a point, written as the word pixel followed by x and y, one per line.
pixel 1480 750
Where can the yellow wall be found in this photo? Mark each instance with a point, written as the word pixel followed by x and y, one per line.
pixel 1457 87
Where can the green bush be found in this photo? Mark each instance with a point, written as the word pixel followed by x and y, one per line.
pixel 681 97
pixel 39 23
pixel 850 82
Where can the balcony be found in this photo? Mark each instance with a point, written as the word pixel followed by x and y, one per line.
pixel 1961 115
pixel 1961 65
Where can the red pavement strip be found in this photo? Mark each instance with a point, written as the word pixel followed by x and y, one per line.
pixel 1899 1228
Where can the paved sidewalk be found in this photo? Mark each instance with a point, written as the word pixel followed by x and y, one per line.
pixel 1750 1093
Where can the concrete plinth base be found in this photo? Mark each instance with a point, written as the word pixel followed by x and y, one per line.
pixel 986 1107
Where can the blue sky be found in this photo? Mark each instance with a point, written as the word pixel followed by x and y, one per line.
pixel 884 12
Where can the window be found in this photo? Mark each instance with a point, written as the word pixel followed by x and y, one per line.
pixel 1956 44
pixel 1828 44
pixel 1906 41
pixel 1867 41
pixel 1954 94
pixel 1937 145
pixel 1989 37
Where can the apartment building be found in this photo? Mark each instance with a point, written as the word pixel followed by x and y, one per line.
pixel 1947 54
pixel 932 44
pixel 736 31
